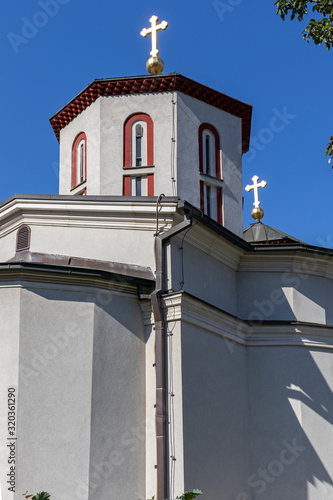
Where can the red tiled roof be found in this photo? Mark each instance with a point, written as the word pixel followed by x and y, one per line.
pixel 285 241
pixel 150 84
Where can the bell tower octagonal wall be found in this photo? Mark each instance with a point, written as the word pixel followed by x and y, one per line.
pixel 147 144
pixel 191 115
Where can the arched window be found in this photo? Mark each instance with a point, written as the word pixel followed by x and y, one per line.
pixel 79 161
pixel 209 160
pixel 138 156
pixel 139 144
pixel 210 172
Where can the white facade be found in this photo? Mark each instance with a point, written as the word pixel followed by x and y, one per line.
pixel 248 334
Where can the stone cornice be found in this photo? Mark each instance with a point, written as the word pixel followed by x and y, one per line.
pixel 42 275
pixel 190 310
pixel 88 211
pixel 295 261
pixel 213 245
pixel 139 214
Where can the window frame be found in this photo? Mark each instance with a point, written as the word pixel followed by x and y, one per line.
pixel 80 138
pixel 203 127
pixel 147 155
pixel 146 179
pixel 128 129
pixel 211 179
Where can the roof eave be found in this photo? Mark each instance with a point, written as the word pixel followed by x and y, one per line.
pixel 170 82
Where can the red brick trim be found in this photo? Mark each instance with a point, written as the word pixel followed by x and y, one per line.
pixel 128 140
pixel 77 139
pixel 127 185
pixel 150 181
pixel 218 201
pixel 202 128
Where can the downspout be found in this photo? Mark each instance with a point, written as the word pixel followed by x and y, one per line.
pixel 160 352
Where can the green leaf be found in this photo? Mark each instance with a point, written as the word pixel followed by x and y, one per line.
pixel 319 29
pixel 41 496
pixel 189 495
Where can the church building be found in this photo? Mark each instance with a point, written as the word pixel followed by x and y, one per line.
pixel 148 344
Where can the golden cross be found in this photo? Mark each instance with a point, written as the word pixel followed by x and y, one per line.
pixel 255 188
pixel 153 30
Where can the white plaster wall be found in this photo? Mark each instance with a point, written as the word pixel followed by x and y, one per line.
pixel 55 392
pixel 215 410
pixel 190 114
pixel 89 122
pixel 118 425
pixel 291 405
pixel 81 390
pixel 284 296
pixel 9 372
pixel 204 276
pixel 114 112
pixel 127 246
pixel 7 245
pixel 103 123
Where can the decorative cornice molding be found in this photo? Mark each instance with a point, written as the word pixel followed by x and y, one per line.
pixel 183 307
pixel 154 84
pixel 54 275
pixel 214 246
pixel 89 211
pixel 295 261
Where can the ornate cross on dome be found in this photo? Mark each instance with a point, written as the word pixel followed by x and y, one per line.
pixel 255 188
pixel 155 64
pixel 153 30
pixel 257 212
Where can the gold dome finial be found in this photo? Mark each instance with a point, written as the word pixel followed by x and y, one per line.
pixel 257 212
pixel 154 64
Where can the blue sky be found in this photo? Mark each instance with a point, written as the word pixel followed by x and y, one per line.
pixel 239 47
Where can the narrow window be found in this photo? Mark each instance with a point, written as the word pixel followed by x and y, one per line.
pixel 138 186
pixel 138 154
pixel 210 172
pixel 138 144
pixel 138 141
pixel 79 161
pixel 208 195
pixel 207 154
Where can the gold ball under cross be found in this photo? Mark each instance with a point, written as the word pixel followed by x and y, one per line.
pixel 257 213
pixel 155 65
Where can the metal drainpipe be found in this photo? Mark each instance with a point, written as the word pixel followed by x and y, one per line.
pixel 160 356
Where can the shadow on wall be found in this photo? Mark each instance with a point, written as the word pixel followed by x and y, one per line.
pixel 291 417
pixel 258 421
